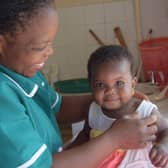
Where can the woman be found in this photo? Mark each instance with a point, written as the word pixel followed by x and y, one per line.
pixel 30 110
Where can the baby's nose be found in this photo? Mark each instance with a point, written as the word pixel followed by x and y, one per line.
pixel 111 90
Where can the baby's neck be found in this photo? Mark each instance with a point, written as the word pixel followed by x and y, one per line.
pixel 126 109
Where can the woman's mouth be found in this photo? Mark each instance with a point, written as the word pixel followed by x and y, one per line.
pixel 39 65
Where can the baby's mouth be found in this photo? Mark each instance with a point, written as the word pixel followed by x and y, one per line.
pixel 109 99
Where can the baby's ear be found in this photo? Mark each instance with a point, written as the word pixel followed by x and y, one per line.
pixel 134 81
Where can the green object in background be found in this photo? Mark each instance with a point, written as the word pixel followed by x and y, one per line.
pixel 73 86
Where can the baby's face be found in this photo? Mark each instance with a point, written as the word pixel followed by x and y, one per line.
pixel 113 85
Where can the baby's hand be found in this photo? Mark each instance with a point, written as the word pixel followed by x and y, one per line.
pixel 159 157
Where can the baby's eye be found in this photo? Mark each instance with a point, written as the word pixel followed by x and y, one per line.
pixel 120 84
pixel 100 85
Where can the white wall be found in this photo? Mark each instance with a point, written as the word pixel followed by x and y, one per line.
pixel 74 43
pixel 154 15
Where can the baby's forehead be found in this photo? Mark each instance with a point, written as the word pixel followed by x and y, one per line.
pixel 113 63
pixel 119 67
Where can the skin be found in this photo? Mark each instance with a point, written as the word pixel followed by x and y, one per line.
pixel 29 51
pixel 26 52
pixel 113 87
pixel 159 152
pixel 82 155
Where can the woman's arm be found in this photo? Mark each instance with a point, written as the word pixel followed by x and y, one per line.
pixel 132 133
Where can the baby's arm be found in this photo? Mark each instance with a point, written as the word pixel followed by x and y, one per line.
pixel 159 152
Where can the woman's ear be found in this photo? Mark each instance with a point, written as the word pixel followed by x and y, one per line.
pixel 2 43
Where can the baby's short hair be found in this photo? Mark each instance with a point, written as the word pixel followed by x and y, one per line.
pixel 108 53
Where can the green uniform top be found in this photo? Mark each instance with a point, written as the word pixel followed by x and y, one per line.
pixel 29 133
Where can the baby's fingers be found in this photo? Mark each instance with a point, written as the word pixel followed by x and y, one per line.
pixel 163 163
pixel 157 160
pixel 158 157
pixel 153 154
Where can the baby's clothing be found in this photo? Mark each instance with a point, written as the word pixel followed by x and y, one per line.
pixel 99 122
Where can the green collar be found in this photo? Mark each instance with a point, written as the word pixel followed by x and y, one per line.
pixel 27 85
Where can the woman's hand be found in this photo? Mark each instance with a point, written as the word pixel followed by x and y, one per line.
pixel 124 134
pixel 133 133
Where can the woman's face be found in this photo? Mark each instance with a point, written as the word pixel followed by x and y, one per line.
pixel 113 85
pixel 27 51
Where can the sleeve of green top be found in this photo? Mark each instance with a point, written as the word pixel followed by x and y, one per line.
pixel 20 144
pixel 55 98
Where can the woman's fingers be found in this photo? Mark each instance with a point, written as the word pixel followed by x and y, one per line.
pixel 150 120
pixel 152 130
pixel 150 138
pixel 137 132
pixel 151 127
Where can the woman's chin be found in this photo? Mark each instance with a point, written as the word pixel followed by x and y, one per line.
pixel 30 74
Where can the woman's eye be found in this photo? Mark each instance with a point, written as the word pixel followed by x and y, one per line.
pixel 39 48
pixel 100 85
pixel 120 84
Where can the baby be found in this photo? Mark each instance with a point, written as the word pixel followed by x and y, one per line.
pixel 110 74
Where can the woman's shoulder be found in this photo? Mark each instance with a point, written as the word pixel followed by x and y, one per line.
pixel 5 84
pixel 10 91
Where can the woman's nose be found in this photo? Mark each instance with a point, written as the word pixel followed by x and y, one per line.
pixel 49 51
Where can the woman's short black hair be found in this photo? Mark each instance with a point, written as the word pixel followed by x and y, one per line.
pixel 14 13
pixel 107 53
